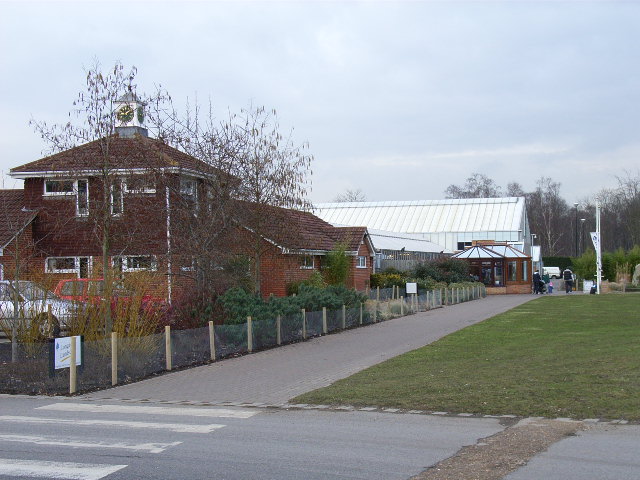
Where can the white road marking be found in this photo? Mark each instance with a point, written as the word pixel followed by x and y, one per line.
pixel 60 470
pixel 149 447
pixel 183 411
pixel 175 427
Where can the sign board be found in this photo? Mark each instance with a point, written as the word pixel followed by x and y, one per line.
pixel 62 352
pixel 586 285
pixel 412 288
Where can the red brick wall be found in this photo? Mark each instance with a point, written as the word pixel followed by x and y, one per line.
pixel 278 270
pixel 27 257
pixel 359 278
pixel 59 232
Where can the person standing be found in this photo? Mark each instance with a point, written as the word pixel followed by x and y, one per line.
pixel 536 282
pixel 567 276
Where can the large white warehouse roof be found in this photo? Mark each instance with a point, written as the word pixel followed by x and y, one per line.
pixel 429 216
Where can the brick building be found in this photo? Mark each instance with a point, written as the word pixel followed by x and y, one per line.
pixel 139 199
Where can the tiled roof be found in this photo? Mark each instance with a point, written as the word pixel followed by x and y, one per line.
pixel 136 153
pixel 13 216
pixel 298 230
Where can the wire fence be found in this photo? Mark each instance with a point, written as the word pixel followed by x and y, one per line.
pixel 112 361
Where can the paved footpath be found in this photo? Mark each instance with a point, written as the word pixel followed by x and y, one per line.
pixel 274 376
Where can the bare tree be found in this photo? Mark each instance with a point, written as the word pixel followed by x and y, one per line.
pixel 275 172
pixel 476 186
pixel 201 222
pixel 547 213
pixel 514 189
pixel 96 121
pixel 356 195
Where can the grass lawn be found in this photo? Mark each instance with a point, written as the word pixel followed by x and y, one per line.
pixel 556 356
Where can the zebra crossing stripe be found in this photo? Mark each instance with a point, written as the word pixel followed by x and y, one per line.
pixel 49 441
pixel 142 409
pixel 57 470
pixel 175 427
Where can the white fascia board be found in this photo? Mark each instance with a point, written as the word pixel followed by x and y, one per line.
pixel 94 173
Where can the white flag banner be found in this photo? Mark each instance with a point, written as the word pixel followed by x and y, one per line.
pixel 595 238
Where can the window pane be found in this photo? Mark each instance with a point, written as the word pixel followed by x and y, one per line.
pixel 117 206
pixel 140 184
pixel 83 198
pixel 61 263
pixel 512 271
pixel 58 186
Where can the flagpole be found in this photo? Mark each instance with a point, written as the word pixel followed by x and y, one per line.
pixel 599 249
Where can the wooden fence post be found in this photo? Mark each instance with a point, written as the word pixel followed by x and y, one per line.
pixel 73 377
pixel 304 324
pixel 401 305
pixel 212 341
pixel 279 330
pixel 324 320
pixel 167 346
pixel 249 335
pixel 114 358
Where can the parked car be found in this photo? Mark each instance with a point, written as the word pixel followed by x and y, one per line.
pixel 553 272
pixel 33 302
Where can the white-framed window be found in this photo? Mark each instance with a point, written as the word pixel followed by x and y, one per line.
pixel 117 199
pixel 135 263
pixel 78 265
pixel 188 265
pixel 56 187
pixel 67 187
pixel 62 265
pixel 361 262
pixel 139 184
pixel 188 188
pixel 82 198
pixel 306 262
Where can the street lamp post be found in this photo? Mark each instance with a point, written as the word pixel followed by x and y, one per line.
pixel 575 205
pixel 582 220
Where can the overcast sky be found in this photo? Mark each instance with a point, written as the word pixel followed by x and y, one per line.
pixel 398 99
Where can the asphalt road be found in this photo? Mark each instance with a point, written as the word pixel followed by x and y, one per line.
pixel 72 439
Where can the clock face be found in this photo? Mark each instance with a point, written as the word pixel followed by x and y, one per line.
pixel 140 113
pixel 125 114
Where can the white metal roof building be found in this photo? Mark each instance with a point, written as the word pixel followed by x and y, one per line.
pixel 453 224
pixel 383 240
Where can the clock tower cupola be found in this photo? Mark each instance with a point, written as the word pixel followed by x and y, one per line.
pixel 129 113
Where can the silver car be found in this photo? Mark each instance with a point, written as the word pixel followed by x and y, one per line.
pixel 33 302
